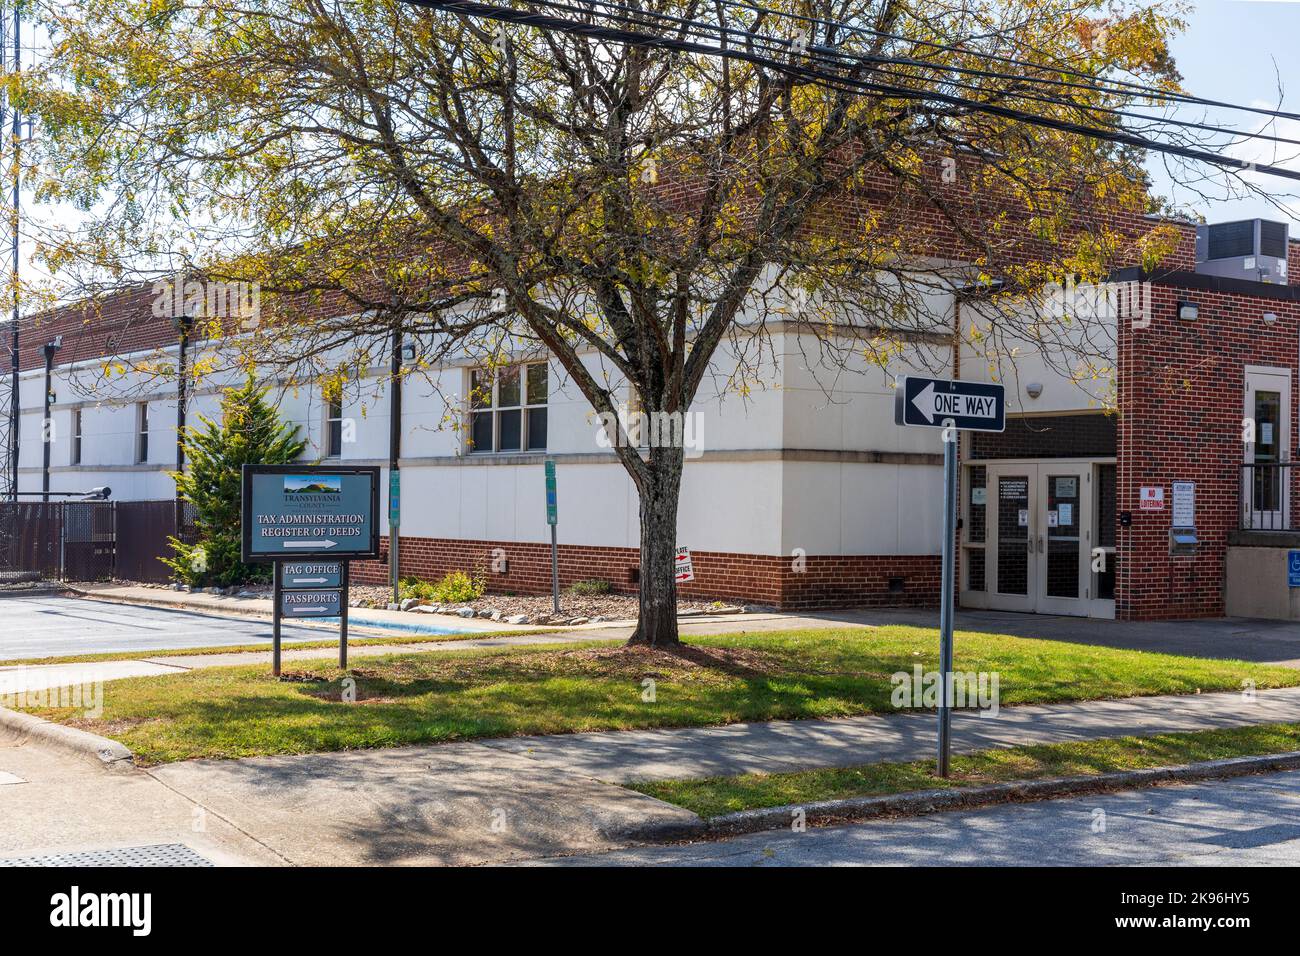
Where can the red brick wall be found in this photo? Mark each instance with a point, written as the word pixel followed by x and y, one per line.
pixel 1181 395
pixel 825 581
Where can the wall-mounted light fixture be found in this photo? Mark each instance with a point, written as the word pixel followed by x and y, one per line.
pixel 1270 318
pixel 1188 311
pixel 408 352
pixel 1034 389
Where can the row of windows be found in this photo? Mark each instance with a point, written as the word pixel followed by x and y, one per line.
pixel 507 413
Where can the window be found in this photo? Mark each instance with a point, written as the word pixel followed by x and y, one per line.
pixel 76 436
pixel 142 433
pixel 508 408
pixel 333 425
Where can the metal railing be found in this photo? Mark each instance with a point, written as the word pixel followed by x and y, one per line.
pixel 1266 496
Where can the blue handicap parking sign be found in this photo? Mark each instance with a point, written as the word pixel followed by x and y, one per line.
pixel 1293 569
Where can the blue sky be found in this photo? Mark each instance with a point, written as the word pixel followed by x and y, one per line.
pixel 1238 51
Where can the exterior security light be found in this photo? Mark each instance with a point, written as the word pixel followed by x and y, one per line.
pixel 99 494
pixel 1034 389
pixel 408 352
pixel 1188 312
pixel 1270 318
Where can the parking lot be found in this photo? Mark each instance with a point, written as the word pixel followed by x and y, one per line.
pixel 49 626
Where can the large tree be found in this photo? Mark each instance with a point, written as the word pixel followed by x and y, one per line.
pixel 497 189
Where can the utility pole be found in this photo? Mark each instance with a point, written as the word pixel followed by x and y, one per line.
pixel 15 170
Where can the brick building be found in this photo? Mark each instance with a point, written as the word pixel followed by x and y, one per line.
pixel 1158 489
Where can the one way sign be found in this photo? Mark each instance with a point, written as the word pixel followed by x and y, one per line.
pixel 934 402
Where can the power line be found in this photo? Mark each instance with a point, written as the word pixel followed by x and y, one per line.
pixel 783 46
pixel 1138 89
pixel 840 83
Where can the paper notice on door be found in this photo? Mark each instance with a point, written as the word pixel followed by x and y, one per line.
pixel 1066 513
pixel 1266 433
pixel 1053 519
pixel 979 496
pixel 1023 518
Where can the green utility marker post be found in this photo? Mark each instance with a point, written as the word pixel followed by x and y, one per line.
pixel 552 510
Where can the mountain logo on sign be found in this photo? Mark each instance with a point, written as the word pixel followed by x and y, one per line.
pixel 312 485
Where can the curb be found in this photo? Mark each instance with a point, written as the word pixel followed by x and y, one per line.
pixel 110 754
pixel 919 802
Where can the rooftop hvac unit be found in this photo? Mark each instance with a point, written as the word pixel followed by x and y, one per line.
pixel 1253 249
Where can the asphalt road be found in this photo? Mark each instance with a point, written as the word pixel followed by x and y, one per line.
pixel 32 627
pixel 1249 821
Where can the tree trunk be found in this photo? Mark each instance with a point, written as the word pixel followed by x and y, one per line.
pixel 657 623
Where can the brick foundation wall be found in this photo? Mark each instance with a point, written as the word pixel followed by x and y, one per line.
pixel 825 581
pixel 1182 393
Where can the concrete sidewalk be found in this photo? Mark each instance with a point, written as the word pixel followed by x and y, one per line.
pixel 518 798
pixel 527 797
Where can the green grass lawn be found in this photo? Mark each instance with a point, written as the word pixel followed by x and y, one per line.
pixel 718 795
pixel 451 695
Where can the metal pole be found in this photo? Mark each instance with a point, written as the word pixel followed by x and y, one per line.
pixel 15 410
pixel 343 619
pixel 946 597
pixel 394 468
pixel 47 434
pixel 182 399
pixel 275 619
pixel 555 570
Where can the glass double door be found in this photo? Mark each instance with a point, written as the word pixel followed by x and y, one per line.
pixel 1039 537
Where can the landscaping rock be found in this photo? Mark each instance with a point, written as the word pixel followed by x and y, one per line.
pixel 578 620
pixel 495 615
pixel 409 603
pixel 465 611
pixel 488 612
pixel 390 606
pixel 423 609
pixel 517 619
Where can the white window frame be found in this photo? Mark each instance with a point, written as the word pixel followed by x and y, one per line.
pixel 141 433
pixel 1265 378
pixel 331 451
pixel 75 453
pixel 494 408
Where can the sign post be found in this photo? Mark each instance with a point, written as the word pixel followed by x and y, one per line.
pixel 952 406
pixel 309 521
pixel 552 510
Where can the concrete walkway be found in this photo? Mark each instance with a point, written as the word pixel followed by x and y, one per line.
pixel 527 797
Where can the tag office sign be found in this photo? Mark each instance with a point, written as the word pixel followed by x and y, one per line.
pixel 310 512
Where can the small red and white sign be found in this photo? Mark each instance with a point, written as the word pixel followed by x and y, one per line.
pixel 1151 498
pixel 685 572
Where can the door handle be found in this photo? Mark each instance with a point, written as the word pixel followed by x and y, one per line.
pixel 1040 544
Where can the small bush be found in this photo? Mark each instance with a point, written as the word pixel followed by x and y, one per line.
pixel 456 587
pixel 590 588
